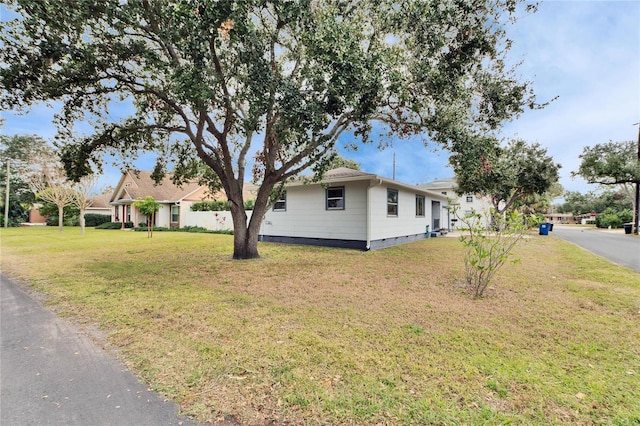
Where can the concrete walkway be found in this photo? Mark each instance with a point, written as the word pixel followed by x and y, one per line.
pixel 53 374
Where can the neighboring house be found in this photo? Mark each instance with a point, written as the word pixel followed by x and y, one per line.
pixel 465 203
pixel 100 204
pixel 35 218
pixel 353 209
pixel 562 218
pixel 175 201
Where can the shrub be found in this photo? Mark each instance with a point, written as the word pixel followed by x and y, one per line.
pixel 192 229
pixel 626 216
pixel 52 220
pixel 143 228
pixel 110 225
pixel 66 221
pixel 93 219
pixel 488 249
pixel 218 206
pixel 609 218
pixel 128 225
pixel 210 206
pixel 197 229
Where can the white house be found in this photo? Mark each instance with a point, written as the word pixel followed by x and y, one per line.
pixel 353 209
pixel 464 204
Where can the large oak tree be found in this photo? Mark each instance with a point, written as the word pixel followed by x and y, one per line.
pixel 260 86
pixel 614 164
pixel 510 175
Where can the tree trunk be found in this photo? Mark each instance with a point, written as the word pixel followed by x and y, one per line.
pixel 245 244
pixel 82 222
pixel 60 217
pixel 245 236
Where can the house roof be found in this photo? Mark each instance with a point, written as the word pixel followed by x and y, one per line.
pixel 138 185
pixel 343 174
pixel 448 183
pixel 101 201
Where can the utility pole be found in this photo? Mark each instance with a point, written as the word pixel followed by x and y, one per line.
pixel 637 200
pixel 6 199
pixel 394 166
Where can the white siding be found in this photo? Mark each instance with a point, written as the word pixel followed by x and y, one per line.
pixel 406 223
pixel 479 204
pixel 306 214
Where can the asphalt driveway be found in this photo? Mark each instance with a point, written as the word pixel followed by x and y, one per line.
pixel 51 373
pixel 613 245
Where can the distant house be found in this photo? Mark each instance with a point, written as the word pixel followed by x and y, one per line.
pixel 353 209
pixel 465 203
pixel 175 201
pixel 35 218
pixel 563 218
pixel 100 204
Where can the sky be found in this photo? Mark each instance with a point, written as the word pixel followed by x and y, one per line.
pixel 585 53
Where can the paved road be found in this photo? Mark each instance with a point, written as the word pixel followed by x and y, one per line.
pixel 53 374
pixel 613 245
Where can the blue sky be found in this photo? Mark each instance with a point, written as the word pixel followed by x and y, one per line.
pixel 587 53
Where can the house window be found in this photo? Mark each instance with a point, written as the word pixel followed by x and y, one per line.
pixel 469 198
pixel 116 215
pixel 444 192
pixel 419 205
pixel 175 214
pixel 281 204
pixel 128 213
pixel 392 202
pixel 335 198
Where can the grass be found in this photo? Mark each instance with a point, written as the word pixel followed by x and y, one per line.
pixel 308 335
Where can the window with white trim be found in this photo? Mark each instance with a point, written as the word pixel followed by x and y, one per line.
pixel 281 203
pixel 335 198
pixel 392 202
pixel 420 206
pixel 175 214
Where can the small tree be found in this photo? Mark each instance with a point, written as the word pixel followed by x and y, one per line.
pixel 148 207
pixel 509 176
pixel 81 196
pixel 49 183
pixel 489 249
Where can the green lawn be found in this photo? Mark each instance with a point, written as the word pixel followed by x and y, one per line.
pixel 330 336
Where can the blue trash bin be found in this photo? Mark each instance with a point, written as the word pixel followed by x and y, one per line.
pixel 544 229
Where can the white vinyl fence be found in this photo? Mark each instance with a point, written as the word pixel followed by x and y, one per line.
pixel 214 221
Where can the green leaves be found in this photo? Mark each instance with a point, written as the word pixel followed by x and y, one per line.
pixel 508 175
pixel 610 163
pixel 487 249
pixel 290 77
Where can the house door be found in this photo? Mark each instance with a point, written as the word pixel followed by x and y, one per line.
pixel 435 215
